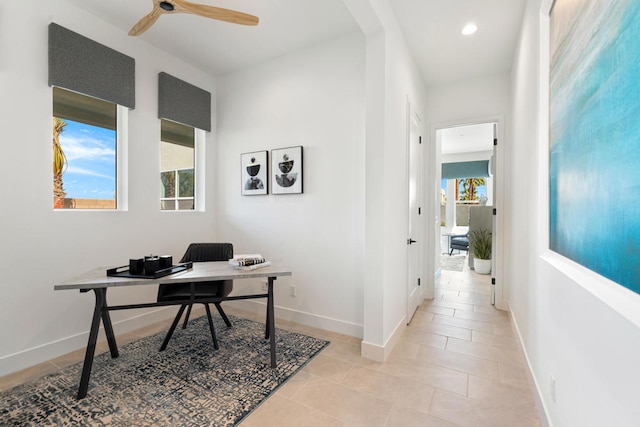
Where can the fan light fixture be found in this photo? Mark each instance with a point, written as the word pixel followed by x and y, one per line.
pixel 469 29
pixel 162 7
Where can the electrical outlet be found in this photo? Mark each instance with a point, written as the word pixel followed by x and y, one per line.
pixel 292 290
pixel 552 385
pixel 264 285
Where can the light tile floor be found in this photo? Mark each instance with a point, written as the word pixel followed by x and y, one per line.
pixel 457 364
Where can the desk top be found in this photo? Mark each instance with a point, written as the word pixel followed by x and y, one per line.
pixel 201 272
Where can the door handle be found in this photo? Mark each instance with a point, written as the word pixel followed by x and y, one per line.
pixel 410 241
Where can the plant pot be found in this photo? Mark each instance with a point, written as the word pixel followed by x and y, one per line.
pixel 482 266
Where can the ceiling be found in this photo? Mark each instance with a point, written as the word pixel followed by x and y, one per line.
pixel 467 139
pixel 433 32
pixel 220 47
pixel 289 25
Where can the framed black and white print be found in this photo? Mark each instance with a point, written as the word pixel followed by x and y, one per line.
pixel 286 166
pixel 254 172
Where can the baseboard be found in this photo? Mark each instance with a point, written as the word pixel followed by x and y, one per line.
pixel 304 318
pixel 542 408
pixel 381 353
pixel 36 355
pixel 43 353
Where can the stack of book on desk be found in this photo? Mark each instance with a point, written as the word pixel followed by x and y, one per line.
pixel 249 262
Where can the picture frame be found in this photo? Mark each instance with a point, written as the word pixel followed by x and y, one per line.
pixel 254 172
pixel 594 147
pixel 287 170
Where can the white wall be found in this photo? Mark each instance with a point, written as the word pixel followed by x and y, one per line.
pixel 468 101
pixel 39 247
pixel 575 325
pixel 346 103
pixel 312 98
pixel 404 86
pixel 392 81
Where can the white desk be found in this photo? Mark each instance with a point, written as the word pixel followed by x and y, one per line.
pixel 97 280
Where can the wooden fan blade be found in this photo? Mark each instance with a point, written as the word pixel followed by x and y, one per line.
pixel 213 12
pixel 147 21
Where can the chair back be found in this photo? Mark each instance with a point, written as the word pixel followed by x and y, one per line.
pixel 200 252
pixel 203 252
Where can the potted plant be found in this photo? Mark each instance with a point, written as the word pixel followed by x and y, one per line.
pixel 481 247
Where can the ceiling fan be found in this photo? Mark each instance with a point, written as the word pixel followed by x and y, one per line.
pixel 182 6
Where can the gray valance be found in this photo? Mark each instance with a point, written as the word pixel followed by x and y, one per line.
pixel 460 170
pixel 85 66
pixel 183 102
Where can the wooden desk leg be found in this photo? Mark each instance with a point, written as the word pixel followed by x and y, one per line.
pixel 101 296
pixel 271 321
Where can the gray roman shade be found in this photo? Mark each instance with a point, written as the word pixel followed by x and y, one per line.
pixel 460 170
pixel 175 133
pixel 85 66
pixel 84 109
pixel 183 102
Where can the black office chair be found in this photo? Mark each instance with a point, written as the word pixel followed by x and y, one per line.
pixel 199 252
pixel 459 242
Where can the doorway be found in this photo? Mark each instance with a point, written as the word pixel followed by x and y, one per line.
pixel 466 165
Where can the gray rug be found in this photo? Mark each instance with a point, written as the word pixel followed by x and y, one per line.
pixel 189 384
pixel 453 262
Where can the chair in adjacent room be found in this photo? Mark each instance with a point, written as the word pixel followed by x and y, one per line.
pixel 199 252
pixel 459 242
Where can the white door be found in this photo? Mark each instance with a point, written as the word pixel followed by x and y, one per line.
pixel 414 239
pixel 494 234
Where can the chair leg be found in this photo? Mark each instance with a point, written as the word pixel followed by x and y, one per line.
pixel 223 314
pixel 450 252
pixel 172 328
pixel 213 331
pixel 186 318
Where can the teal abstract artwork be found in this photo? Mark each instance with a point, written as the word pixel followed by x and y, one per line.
pixel 594 151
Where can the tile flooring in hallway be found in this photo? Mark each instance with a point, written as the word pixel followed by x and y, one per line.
pixel 457 364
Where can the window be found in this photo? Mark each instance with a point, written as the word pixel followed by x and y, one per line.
pixel 471 190
pixel 177 166
pixel 84 151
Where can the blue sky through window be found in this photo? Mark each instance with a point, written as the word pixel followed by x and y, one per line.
pixel 91 154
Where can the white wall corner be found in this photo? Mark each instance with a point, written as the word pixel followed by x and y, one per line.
pixel 381 353
pixel 365 15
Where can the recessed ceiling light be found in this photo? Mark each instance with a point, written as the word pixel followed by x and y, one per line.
pixel 469 29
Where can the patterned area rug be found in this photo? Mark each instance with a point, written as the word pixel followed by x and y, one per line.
pixel 453 262
pixel 189 384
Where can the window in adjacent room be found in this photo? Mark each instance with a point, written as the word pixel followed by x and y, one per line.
pixel 471 190
pixel 177 166
pixel 84 151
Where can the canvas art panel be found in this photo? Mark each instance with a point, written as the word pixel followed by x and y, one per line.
pixel 286 167
pixel 594 151
pixel 254 172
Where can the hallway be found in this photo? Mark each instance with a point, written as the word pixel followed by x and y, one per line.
pixel 457 364
pixel 466 334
